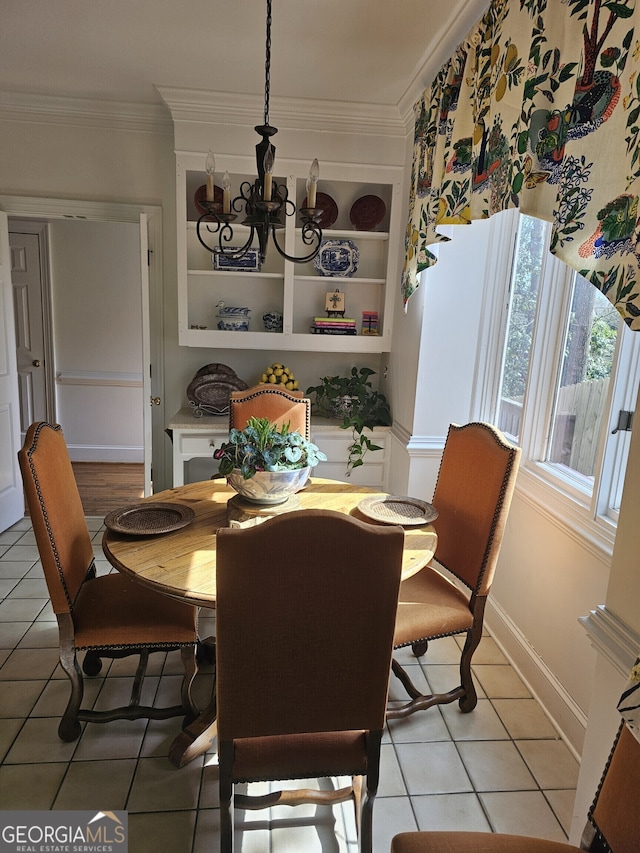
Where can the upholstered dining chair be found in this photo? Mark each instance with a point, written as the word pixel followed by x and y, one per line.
pixel 107 616
pixel 279 405
pixel 304 599
pixel 472 495
pixel 613 821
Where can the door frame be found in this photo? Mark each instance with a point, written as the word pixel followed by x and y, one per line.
pixel 27 207
pixel 41 230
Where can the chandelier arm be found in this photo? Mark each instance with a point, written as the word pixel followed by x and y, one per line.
pixel 311 234
pixel 226 234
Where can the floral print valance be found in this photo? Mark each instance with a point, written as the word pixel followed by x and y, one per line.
pixel 539 109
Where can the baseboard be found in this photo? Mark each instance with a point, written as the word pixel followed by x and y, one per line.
pixel 82 453
pixel 565 715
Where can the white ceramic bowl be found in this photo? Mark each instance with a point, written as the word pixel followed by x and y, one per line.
pixel 268 487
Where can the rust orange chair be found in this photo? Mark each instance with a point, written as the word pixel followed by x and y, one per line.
pixel 106 616
pixel 306 605
pixel 472 495
pixel 277 404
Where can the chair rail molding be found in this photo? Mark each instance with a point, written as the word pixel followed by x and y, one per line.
pixel 612 638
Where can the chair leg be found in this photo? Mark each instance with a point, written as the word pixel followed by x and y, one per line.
pixel 190 664
pixel 225 767
pixel 70 728
pixel 469 699
pixel 374 740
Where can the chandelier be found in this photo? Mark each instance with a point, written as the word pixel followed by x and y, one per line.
pixel 265 202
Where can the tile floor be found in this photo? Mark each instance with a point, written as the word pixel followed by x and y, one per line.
pixel 501 768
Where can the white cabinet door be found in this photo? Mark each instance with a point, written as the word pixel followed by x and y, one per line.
pixel 11 494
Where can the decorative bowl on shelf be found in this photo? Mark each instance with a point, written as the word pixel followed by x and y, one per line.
pixel 272 321
pixel 337 258
pixel 232 324
pixel 268 487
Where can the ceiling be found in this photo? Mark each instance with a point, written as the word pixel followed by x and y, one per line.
pixel 378 52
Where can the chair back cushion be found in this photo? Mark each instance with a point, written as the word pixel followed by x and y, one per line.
pixel 306 606
pixel 472 495
pixel 56 513
pixel 616 809
pixel 278 405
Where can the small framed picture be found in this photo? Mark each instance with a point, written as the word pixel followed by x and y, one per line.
pixel 334 302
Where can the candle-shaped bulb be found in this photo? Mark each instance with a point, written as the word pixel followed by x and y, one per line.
pixel 312 183
pixel 210 168
pixel 226 193
pixel 268 173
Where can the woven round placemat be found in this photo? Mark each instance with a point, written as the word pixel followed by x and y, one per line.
pixel 149 519
pixel 393 509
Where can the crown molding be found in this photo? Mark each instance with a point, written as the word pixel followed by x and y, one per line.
pixel 202 106
pixel 83 112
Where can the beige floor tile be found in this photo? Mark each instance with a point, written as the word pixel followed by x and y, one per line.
pixel 101 785
pixel 562 803
pixel 22 553
pixel 447 812
pixel 27 664
pixel 30 786
pixel 11 633
pixel 158 737
pixel 391 782
pixel 7 585
pixel 41 635
pixel 550 762
pixel 522 813
pixel 391 815
pixel 116 692
pixel 209 792
pixel 207 835
pixel 21 609
pixel 38 741
pixel 524 718
pixel 432 768
pixel 9 729
pixel 442 651
pixel 482 723
pixel 488 651
pixel 117 739
pixel 55 697
pixel 158 785
pixel 30 588
pixel 422 726
pixel 496 766
pixel 14 569
pixel 19 697
pixel 163 831
pixel 446 677
pixel 500 682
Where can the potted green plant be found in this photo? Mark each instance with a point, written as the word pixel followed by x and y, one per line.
pixel 353 400
pixel 266 464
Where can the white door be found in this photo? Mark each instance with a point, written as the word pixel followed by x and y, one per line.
pixel 27 300
pixel 11 494
pixel 147 399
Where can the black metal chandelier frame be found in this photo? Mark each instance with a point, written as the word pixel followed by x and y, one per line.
pixel 262 216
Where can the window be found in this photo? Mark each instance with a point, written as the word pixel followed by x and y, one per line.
pixel 569 365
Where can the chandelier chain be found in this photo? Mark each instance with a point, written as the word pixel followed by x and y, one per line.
pixel 267 65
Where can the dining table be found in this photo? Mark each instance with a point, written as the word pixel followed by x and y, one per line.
pixel 181 562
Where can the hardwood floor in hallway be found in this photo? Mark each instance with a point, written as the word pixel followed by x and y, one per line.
pixel 105 486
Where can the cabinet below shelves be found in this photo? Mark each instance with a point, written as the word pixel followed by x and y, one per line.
pixel 195 439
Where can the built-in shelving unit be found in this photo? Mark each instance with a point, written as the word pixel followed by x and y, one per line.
pixel 296 290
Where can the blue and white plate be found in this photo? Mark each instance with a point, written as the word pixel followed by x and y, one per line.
pixel 337 258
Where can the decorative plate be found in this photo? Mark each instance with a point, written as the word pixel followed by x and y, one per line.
pixel 208 392
pixel 328 207
pixel 149 519
pixel 201 195
pixel 398 509
pixel 367 213
pixel 337 258
pixel 250 262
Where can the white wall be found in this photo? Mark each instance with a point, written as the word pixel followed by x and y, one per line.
pixel 97 338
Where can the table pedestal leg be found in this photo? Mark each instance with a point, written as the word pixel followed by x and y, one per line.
pixel 196 738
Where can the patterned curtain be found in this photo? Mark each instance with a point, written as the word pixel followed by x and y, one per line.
pixel 539 108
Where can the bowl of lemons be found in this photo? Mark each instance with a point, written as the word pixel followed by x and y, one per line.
pixel 280 374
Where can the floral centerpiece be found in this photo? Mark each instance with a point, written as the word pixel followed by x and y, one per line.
pixel 266 464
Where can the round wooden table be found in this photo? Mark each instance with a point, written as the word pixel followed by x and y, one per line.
pixel 182 563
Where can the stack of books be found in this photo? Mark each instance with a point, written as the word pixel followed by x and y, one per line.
pixel 333 326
